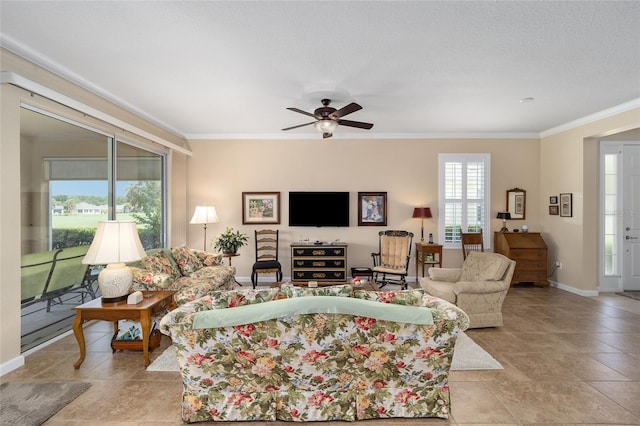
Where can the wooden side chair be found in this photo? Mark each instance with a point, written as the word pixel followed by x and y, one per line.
pixel 394 253
pixel 266 255
pixel 471 241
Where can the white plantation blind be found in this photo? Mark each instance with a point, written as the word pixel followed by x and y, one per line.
pixel 464 196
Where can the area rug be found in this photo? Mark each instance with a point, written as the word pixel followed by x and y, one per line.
pixel 32 403
pixel 468 355
pixel 632 294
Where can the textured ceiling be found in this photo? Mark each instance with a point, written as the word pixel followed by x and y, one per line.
pixel 205 69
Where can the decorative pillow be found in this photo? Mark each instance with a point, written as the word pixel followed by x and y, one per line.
pixel 290 291
pixel 234 298
pixel 398 297
pixel 159 262
pixel 483 266
pixel 144 279
pixel 188 261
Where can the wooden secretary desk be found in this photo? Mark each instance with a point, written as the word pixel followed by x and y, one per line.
pixel 529 251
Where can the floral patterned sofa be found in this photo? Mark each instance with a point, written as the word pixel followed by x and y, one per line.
pixel 254 355
pixel 191 273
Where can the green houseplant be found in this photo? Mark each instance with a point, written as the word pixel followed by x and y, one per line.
pixel 230 241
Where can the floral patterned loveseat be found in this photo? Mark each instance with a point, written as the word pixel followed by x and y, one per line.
pixel 191 273
pixel 253 355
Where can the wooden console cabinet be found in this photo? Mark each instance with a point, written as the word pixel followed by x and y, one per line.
pixel 529 251
pixel 326 262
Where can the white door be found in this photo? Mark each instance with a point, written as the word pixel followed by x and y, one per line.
pixel 631 217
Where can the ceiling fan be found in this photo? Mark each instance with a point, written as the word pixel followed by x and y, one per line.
pixel 328 118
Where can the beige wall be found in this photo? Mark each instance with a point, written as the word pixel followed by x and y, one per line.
pixel 569 162
pixel 9 225
pixel 219 171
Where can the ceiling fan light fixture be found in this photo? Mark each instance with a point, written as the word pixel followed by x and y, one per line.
pixel 326 126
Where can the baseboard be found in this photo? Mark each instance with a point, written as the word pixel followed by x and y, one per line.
pixel 11 365
pixel 610 289
pixel 19 361
pixel 578 291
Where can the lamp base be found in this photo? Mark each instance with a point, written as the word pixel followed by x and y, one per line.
pixel 115 299
pixel 114 282
pixel 504 229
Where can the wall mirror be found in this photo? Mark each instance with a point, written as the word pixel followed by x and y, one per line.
pixel 516 203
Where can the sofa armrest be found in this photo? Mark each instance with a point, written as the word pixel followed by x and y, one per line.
pixel 480 287
pixel 182 315
pixel 451 275
pixel 445 311
pixel 144 279
pixel 203 281
pixel 208 259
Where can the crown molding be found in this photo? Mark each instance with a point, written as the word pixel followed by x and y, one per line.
pixel 618 109
pixel 359 136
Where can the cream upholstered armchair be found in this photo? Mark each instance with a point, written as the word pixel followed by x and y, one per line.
pixel 478 288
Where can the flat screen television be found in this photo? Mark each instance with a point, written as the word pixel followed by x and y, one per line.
pixel 318 208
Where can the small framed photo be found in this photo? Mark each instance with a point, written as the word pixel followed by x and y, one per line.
pixel 519 207
pixel 372 209
pixel 553 199
pixel 260 208
pixel 566 205
pixel 554 210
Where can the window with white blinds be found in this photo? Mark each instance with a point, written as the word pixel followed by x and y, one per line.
pixel 464 183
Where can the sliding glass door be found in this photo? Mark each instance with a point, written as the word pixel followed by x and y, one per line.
pixel 72 177
pixel 140 192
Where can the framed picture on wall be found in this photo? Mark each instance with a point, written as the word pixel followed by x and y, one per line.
pixel 372 209
pixel 519 206
pixel 554 210
pixel 566 205
pixel 260 208
pixel 553 199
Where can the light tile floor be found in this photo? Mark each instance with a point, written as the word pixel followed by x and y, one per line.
pixel 567 360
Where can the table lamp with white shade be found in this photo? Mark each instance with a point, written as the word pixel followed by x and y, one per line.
pixel 115 243
pixel 203 215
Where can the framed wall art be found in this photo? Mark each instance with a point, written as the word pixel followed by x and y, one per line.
pixel 553 199
pixel 553 210
pixel 372 209
pixel 566 205
pixel 260 208
pixel 519 206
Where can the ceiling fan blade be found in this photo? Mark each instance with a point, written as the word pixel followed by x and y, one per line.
pixel 326 135
pixel 302 112
pixel 352 107
pixel 299 125
pixel 358 124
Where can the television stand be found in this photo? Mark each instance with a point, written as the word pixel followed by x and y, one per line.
pixel 319 262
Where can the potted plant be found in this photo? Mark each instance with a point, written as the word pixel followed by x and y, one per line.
pixel 230 241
